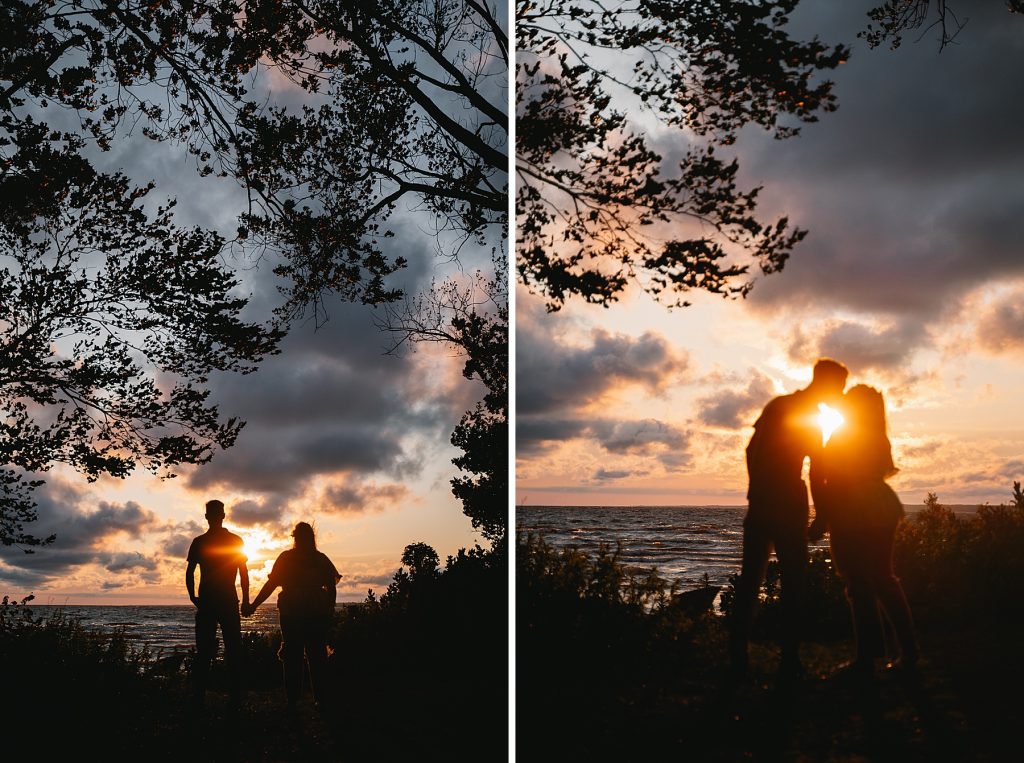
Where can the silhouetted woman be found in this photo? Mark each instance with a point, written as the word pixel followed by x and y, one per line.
pixel 861 512
pixel 308 581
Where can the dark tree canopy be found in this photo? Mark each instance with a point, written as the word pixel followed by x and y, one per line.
pixel 408 107
pixel 112 320
pixel 596 205
pixel 404 104
pixel 413 114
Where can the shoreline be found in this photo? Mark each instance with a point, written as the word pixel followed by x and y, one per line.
pixel 909 508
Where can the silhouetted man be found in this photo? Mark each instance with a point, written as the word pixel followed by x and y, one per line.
pixel 219 556
pixel 777 512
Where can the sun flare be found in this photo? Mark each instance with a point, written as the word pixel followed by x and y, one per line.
pixel 829 419
pixel 255 544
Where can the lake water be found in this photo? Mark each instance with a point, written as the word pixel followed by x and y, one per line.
pixel 683 542
pixel 164 629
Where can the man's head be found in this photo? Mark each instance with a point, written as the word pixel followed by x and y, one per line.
pixel 829 380
pixel 215 513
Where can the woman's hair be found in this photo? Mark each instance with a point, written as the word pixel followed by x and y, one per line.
pixel 868 408
pixel 304 536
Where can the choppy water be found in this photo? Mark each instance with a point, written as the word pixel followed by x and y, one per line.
pixel 683 542
pixel 162 628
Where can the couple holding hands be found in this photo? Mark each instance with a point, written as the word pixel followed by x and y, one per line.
pixel 308 582
pixel 852 503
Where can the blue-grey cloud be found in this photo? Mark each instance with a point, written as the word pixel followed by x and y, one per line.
pixel 732 407
pixel 859 347
pixel 250 513
pixel 332 402
pixel 658 440
pixel 616 474
pixel 128 561
pixel 83 531
pixel 553 376
pixel 911 189
pixel 357 498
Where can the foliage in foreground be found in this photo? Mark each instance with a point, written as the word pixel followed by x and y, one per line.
pixel 605 673
pixel 958 567
pixel 435 632
pixel 964 566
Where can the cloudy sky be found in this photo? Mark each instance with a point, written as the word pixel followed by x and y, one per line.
pixel 338 433
pixel 912 274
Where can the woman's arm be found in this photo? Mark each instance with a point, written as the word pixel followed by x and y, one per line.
pixel 265 591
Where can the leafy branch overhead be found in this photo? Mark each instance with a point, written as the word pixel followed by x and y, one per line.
pixel 112 323
pixel 889 22
pixel 597 204
pixel 113 315
pixel 408 106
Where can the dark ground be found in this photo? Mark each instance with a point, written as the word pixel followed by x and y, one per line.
pixel 966 705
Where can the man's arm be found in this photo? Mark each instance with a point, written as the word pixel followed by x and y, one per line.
pixel 190 582
pixel 243 577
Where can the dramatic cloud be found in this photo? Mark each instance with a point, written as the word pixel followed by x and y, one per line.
pixel 553 376
pixel 559 383
pixel 125 561
pixel 667 444
pixel 732 408
pixel 533 434
pixel 911 189
pixel 616 474
pixel 251 513
pixel 332 403
pixel 624 436
pixel 1001 327
pixel 82 536
pixel 178 539
pixel 859 347
pixel 359 498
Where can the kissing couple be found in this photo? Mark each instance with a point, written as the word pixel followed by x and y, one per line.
pixel 852 502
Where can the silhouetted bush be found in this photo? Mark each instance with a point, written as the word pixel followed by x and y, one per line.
pixel 964 566
pixel 959 567
pixel 65 684
pixel 421 671
pixel 826 615
pixel 617 626
pixel 546 572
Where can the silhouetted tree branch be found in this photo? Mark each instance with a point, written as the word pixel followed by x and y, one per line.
pixel 414 115
pixel 403 103
pixel 111 321
pixel 471 317
pixel 596 205
pixel 891 21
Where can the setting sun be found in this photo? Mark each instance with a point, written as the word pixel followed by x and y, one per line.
pixel 255 545
pixel 829 419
